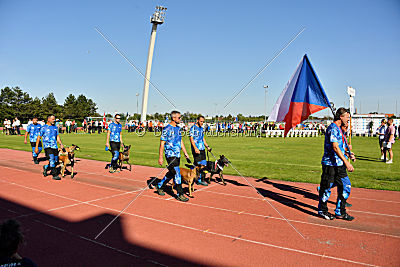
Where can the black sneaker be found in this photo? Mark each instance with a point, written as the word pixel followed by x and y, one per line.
pixel 182 198
pixel 348 205
pixel 44 171
pixel 35 160
pixel 326 215
pixel 160 191
pixel 56 177
pixel 345 217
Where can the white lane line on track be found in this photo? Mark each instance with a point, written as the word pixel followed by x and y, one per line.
pixel 206 206
pixel 90 240
pixel 134 180
pixel 275 218
pixel 81 202
pixel 201 189
pixel 202 230
pixel 256 198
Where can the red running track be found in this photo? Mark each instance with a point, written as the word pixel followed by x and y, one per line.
pixel 223 225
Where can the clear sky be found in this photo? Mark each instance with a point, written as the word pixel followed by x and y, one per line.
pixel 205 51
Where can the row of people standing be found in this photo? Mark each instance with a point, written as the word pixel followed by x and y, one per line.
pixel 387 137
pixel 12 128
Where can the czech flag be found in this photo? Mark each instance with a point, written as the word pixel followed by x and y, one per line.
pixel 302 96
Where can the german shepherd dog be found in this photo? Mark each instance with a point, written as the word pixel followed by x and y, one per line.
pixel 124 157
pixel 67 157
pixel 217 167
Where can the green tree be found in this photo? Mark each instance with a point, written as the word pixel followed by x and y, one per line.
pixel 14 103
pixel 70 109
pixel 51 107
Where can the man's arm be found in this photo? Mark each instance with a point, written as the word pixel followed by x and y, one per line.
pixel 37 144
pixel 184 149
pixel 59 141
pixel 206 145
pixel 26 136
pixel 120 138
pixel 108 138
pixel 337 150
pixel 160 152
pixel 194 145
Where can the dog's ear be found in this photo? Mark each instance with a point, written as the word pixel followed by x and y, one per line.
pixel 129 146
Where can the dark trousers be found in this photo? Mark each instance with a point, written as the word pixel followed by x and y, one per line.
pixel 114 147
pixel 334 176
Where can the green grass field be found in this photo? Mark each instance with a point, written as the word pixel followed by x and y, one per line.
pixel 290 159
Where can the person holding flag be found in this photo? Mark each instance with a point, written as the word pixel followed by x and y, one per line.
pixel 334 168
pixel 33 130
pixel 114 141
pixel 303 96
pixel 198 145
pixel 171 144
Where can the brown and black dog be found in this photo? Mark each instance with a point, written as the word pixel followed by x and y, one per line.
pixel 124 157
pixel 67 157
pixel 189 176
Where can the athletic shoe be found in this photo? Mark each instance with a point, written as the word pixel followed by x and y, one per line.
pixel 44 171
pixel 35 160
pixel 117 170
pixel 348 205
pixel 345 217
pixel 182 198
pixel 326 215
pixel 202 183
pixel 160 191
pixel 111 170
pixel 389 161
pixel 383 157
pixel 56 178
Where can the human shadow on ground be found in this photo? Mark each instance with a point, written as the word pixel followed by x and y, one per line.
pixel 358 157
pixel 289 202
pixel 216 179
pixel 51 240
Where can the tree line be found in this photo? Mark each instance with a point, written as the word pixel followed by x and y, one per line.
pixel 14 102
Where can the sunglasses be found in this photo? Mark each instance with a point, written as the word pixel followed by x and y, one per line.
pixel 118 118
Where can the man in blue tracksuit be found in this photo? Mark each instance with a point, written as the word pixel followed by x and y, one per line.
pixel 334 169
pixel 114 141
pixel 33 130
pixel 198 145
pixel 50 137
pixel 171 144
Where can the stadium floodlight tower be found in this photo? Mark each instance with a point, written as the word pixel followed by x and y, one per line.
pixel 157 18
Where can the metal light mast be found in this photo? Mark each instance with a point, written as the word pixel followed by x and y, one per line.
pixel 157 18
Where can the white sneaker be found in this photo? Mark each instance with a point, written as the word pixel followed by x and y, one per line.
pixel 389 161
pixel 383 157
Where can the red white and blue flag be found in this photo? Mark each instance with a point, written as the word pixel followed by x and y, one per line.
pixel 302 96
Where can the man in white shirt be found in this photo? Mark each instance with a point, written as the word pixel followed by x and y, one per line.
pixel 381 133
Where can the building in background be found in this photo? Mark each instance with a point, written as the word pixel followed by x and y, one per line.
pixel 368 123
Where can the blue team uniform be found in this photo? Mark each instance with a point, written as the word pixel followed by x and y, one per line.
pixel 34 131
pixel 172 149
pixel 115 132
pixel 172 137
pixel 49 135
pixel 335 135
pixel 198 136
pixel 115 140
